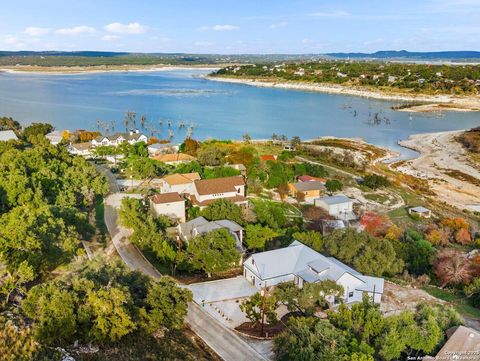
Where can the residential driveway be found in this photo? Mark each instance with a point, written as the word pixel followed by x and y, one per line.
pixel 222 299
pixel 222 290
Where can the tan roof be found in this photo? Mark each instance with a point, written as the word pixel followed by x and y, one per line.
pixel 218 185
pixel 235 199
pixel 177 157
pixel 463 339
pixel 166 198
pixel 175 179
pixel 82 146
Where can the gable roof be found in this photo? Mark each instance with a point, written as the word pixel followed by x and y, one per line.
pixel 177 178
pixel 218 185
pixel 6 135
pixel 463 339
pixel 311 266
pixel 166 198
pixel 115 136
pixel 81 146
pixel 308 178
pixel 420 209
pixel 308 186
pixel 176 157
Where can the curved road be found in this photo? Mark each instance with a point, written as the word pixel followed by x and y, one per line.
pixel 227 344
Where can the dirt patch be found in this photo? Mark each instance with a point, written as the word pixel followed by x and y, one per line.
pixel 201 277
pixel 251 330
pixel 398 298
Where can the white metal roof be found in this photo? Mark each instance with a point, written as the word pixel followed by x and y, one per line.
pixel 338 199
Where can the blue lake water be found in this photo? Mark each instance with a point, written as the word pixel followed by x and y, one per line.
pixel 217 109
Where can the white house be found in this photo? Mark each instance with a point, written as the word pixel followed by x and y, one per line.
pixel 300 264
pixel 421 211
pixel 82 149
pixel 338 206
pixel 168 204
pixel 180 183
pixel 55 137
pixel 118 138
pixel 6 135
pixel 207 191
pixel 162 148
pixel 200 225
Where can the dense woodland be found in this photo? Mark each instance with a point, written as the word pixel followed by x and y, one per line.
pixel 425 78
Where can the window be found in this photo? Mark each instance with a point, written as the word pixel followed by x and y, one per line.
pixel 350 294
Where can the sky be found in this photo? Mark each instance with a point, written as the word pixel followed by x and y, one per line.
pixel 240 26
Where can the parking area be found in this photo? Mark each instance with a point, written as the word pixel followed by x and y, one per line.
pixel 222 298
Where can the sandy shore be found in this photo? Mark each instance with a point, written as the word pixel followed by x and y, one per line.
pixel 444 163
pixel 434 102
pixel 63 70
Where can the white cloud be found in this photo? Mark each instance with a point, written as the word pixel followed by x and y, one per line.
pixel 332 14
pixel 35 31
pixel 278 25
pixel 226 27
pixel 130 28
pixel 76 30
pixel 203 43
pixel 110 37
pixel 13 42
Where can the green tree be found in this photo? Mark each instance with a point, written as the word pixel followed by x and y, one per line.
pixel 472 291
pixel 211 155
pixel 257 236
pixel 271 214
pixel 53 310
pixel 257 305
pixel 222 209
pixel 333 185
pixel 213 252
pixel 35 130
pixel 375 181
pixel 16 344
pixel 312 239
pixel 310 339
pixel 23 274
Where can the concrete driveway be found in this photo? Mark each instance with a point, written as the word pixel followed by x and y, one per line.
pixel 222 298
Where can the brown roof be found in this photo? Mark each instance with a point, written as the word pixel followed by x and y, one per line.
pixel 463 339
pixel 177 157
pixel 166 198
pixel 82 146
pixel 218 185
pixel 175 179
pixel 236 199
pixel 268 157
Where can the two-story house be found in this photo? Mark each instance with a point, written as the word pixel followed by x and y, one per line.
pixel 116 139
pixel 207 191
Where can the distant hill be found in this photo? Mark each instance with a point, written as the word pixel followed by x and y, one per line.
pixel 63 53
pixel 411 55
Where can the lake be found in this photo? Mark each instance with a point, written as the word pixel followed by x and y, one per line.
pixel 216 109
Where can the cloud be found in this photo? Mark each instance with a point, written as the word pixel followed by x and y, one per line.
pixel 35 31
pixel 13 42
pixel 278 25
pixel 203 43
pixel 110 37
pixel 332 14
pixel 76 30
pixel 224 27
pixel 130 28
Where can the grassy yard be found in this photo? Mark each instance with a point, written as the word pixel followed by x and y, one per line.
pixel 290 210
pixel 460 303
pixel 378 198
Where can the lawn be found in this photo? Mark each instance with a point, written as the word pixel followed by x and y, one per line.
pixel 460 303
pixel 290 210
pixel 378 198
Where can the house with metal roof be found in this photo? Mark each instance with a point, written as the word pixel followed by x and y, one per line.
pixel 421 211
pixel 300 264
pixel 6 135
pixel 200 225
pixel 338 206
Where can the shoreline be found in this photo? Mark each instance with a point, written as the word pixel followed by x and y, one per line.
pixel 435 102
pixel 72 70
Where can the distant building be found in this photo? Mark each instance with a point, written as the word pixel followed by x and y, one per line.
pixel 168 204
pixel 338 206
pixel 307 178
pixel 207 191
pixel 162 148
pixel 118 138
pixel 200 226
pixel 300 264
pixel 6 135
pixel 461 341
pixel 288 147
pixel 269 157
pixel 308 191
pixel 55 137
pixel 179 183
pixel 82 149
pixel 330 225
pixel 421 211
pixel 174 159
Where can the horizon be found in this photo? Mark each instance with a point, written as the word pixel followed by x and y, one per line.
pixel 255 28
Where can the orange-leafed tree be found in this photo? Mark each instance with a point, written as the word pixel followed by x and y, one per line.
pixel 452 267
pixel 463 236
pixel 375 224
pixel 455 223
pixel 437 236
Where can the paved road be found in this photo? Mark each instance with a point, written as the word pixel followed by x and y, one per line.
pixel 227 344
